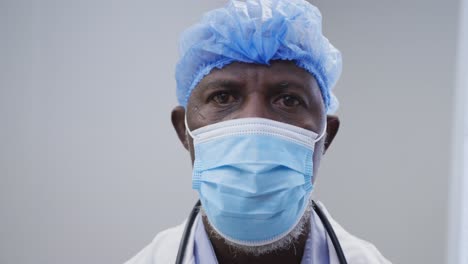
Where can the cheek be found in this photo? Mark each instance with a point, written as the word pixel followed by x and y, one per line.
pixel 317 158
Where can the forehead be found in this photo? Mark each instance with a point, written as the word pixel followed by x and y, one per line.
pixel 277 71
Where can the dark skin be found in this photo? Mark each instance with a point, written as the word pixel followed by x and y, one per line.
pixel 282 92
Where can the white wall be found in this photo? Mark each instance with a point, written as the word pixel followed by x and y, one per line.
pixel 458 217
pixel 90 167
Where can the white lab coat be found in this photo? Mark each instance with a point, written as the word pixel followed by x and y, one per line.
pixel 164 248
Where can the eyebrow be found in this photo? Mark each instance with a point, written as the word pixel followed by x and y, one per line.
pixel 222 83
pixel 275 85
pixel 288 84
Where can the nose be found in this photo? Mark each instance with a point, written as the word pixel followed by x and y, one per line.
pixel 255 105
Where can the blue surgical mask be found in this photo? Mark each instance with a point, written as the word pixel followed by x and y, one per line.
pixel 254 177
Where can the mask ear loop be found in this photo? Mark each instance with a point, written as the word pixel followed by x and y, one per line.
pixel 187 133
pixel 322 134
pixel 187 129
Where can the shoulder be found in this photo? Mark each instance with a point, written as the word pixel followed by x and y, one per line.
pixel 163 249
pixel 356 250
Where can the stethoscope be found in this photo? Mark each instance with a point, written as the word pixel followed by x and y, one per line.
pixel 321 215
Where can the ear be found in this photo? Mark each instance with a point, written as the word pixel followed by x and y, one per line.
pixel 177 118
pixel 333 124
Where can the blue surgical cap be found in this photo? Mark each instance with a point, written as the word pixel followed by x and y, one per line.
pixel 258 31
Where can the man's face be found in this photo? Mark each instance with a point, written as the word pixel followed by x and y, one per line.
pixel 282 92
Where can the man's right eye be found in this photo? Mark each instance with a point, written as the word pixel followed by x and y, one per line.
pixel 222 98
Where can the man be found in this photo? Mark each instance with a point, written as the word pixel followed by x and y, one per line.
pixel 254 85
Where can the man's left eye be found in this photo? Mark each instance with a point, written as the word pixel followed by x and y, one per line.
pixel 288 100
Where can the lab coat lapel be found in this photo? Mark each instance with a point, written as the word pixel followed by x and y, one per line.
pixel 333 257
pixel 189 256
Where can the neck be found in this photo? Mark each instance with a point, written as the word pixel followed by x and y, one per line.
pixel 227 254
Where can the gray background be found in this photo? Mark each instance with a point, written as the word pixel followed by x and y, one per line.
pixel 91 169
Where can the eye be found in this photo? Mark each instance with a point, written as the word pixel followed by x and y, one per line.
pixel 222 98
pixel 289 101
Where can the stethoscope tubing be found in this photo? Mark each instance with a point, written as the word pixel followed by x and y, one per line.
pixel 186 234
pixel 317 209
pixel 331 233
